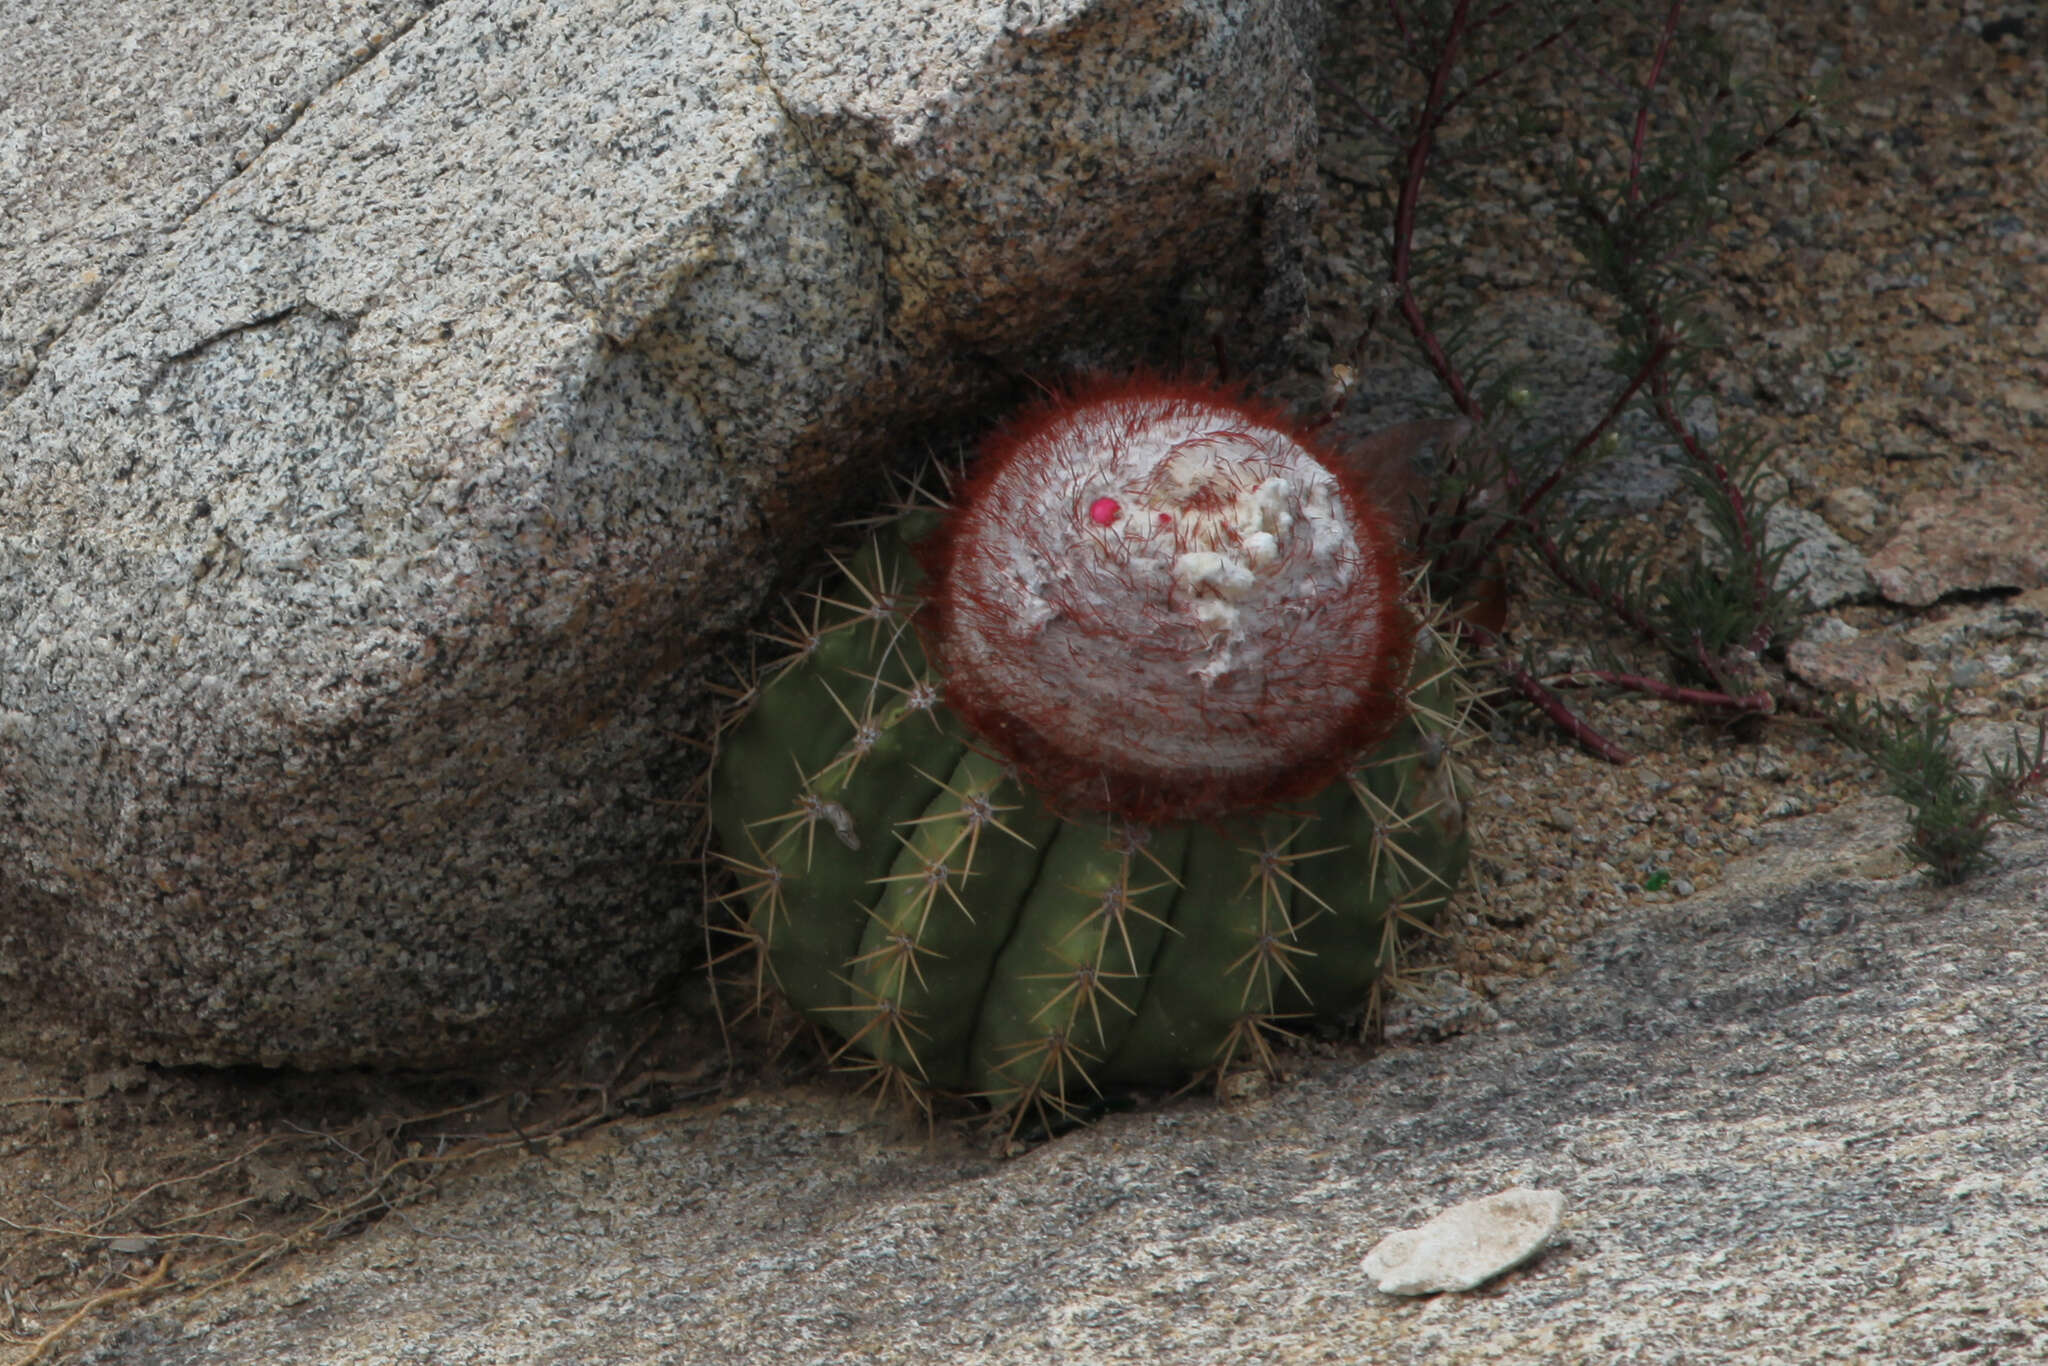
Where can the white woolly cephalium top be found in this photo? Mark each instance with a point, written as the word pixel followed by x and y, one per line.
pixel 1172 583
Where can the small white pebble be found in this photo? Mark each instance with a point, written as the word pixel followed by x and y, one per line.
pixel 1466 1245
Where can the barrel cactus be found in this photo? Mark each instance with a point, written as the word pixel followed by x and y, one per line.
pixel 1126 755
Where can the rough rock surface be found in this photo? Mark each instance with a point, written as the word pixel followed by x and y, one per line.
pixel 1823 568
pixel 1867 666
pixel 1988 652
pixel 100 172
pixel 1796 1119
pixel 1954 541
pixel 393 406
pixel 1820 568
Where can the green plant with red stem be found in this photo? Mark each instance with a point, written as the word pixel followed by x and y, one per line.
pixel 1638 233
pixel 1678 136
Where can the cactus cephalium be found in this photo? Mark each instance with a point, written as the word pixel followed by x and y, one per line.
pixel 1099 772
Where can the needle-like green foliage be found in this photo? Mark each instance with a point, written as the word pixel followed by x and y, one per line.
pixel 1952 809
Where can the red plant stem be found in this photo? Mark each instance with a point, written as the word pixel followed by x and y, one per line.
pixel 1546 701
pixel 1520 57
pixel 2013 793
pixel 1667 412
pixel 1660 383
pixel 1658 355
pixel 2038 771
pixel 1625 612
pixel 1761 702
pixel 1400 20
pixel 1641 137
pixel 1532 499
pixel 1399 274
pixel 1749 153
pixel 1709 665
pixel 1436 107
pixel 1433 352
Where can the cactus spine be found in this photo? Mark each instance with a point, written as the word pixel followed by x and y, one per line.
pixel 1128 758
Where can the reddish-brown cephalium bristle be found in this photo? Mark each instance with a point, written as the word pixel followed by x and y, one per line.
pixel 1164 600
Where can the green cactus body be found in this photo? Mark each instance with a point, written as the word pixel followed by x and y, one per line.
pixel 907 892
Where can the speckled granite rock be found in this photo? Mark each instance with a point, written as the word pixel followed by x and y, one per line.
pixel 1998 648
pixel 99 173
pixel 394 404
pixel 1795 1119
pixel 1823 568
pixel 1953 541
